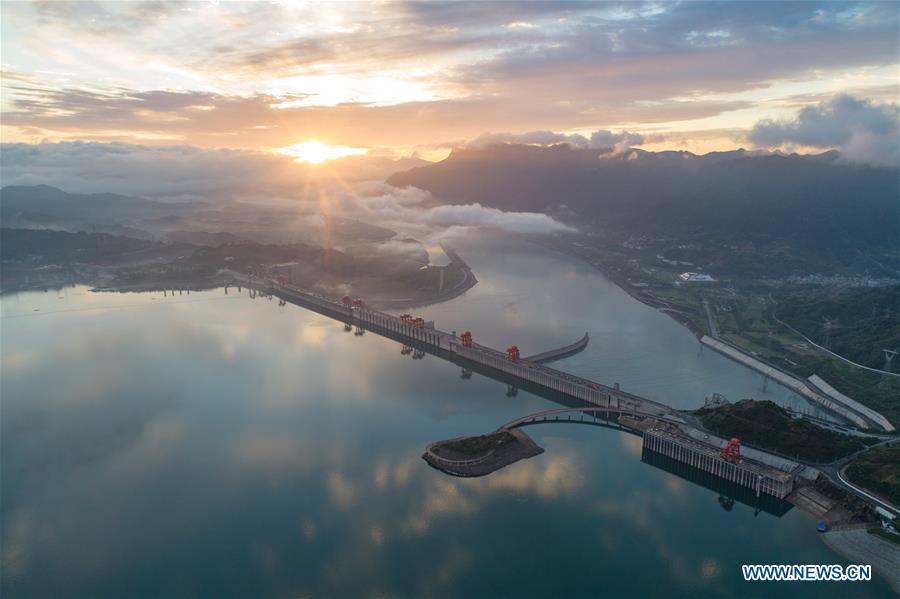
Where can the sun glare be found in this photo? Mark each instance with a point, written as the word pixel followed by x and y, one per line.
pixel 315 152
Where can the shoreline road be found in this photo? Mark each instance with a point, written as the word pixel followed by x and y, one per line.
pixel 711 320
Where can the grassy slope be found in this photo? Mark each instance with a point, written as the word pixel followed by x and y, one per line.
pixel 878 471
pixel 863 320
pixel 480 444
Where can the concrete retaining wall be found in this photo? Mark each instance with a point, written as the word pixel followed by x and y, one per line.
pixel 823 386
pixel 794 384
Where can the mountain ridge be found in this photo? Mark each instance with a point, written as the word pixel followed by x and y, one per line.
pixel 812 205
pixel 50 205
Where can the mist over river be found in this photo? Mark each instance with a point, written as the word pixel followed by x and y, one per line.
pixel 215 445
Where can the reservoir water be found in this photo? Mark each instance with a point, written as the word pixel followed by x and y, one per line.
pixel 210 444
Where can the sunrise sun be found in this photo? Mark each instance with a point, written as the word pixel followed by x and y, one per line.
pixel 315 152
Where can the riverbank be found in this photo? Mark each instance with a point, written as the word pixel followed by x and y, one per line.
pixel 859 546
pixel 822 395
pixel 456 270
pixel 214 282
pixel 103 280
pixel 103 283
pixel 785 379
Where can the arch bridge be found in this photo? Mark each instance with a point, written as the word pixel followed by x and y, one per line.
pixel 562 415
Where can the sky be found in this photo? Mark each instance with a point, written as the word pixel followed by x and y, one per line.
pixel 397 78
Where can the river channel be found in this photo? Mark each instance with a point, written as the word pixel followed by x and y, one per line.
pixel 212 444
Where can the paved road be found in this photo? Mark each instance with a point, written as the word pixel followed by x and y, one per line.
pixel 834 472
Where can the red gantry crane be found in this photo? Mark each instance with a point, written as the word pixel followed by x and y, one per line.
pixel 466 339
pixel 732 451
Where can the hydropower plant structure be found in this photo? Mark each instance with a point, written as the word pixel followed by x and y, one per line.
pixel 665 431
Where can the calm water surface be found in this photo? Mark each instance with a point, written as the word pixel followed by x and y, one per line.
pixel 221 446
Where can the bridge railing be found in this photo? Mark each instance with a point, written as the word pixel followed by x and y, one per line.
pixel 552 415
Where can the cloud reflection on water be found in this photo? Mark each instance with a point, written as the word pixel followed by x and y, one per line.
pixel 217 437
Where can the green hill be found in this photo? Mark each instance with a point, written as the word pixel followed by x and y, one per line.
pixel 765 425
pixel 879 471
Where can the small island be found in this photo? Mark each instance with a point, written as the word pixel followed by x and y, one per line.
pixel 481 455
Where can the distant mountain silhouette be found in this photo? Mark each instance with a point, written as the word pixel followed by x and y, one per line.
pixel 808 203
pixel 43 204
pixel 366 166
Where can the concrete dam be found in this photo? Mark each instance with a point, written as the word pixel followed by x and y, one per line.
pixel 639 414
